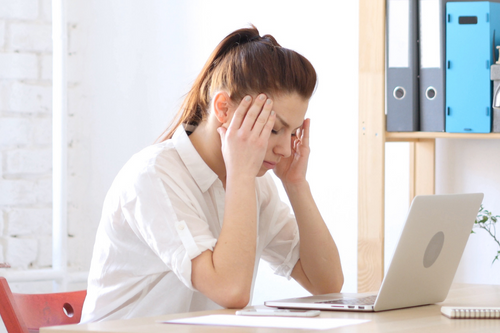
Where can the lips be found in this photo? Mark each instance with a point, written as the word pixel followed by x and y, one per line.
pixel 269 165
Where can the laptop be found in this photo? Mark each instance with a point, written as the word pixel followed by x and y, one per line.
pixel 424 263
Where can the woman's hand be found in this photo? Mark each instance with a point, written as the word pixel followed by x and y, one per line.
pixel 292 170
pixel 225 274
pixel 244 142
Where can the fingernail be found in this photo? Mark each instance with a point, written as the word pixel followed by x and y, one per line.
pixel 269 101
pixel 248 98
pixel 272 113
pixel 262 97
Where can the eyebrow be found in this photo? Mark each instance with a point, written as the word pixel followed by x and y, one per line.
pixel 284 122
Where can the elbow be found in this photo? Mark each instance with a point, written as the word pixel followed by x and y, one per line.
pixel 236 298
pixel 339 283
pixel 334 286
pixel 237 302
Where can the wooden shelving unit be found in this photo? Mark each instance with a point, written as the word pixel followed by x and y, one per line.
pixel 372 139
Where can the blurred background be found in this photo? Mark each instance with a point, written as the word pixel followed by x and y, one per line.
pixel 129 64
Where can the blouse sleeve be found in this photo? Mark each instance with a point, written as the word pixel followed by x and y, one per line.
pixel 159 212
pixel 282 248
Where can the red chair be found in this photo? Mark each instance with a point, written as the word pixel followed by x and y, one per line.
pixel 26 313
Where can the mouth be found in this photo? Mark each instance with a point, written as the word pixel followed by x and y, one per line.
pixel 269 165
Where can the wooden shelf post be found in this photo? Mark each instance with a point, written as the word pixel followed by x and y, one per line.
pixel 371 144
pixel 422 167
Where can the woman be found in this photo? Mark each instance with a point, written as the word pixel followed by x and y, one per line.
pixel 187 219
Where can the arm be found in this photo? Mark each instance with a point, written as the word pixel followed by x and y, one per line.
pixel 318 269
pixel 225 275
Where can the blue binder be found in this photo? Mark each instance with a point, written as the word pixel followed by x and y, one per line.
pixel 470 29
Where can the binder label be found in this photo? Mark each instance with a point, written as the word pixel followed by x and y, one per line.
pixel 430 34
pixel 399 33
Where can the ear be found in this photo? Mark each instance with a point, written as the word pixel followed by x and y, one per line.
pixel 221 108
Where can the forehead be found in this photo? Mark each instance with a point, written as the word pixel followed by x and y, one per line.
pixel 290 110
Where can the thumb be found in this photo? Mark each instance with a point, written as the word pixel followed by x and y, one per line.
pixel 222 132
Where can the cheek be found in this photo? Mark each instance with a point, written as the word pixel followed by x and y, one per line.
pixel 278 143
pixel 272 142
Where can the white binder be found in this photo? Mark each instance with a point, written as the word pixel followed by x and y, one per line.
pixel 402 66
pixel 432 47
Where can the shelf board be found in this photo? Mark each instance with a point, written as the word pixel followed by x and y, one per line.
pixel 414 136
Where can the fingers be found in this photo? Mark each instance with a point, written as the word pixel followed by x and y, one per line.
pixel 252 119
pixel 268 127
pixel 304 131
pixel 302 135
pixel 239 114
pixel 222 132
pixel 262 123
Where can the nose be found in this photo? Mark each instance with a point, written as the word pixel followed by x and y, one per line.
pixel 283 147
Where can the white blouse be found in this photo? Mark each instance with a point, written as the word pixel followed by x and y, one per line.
pixel 164 208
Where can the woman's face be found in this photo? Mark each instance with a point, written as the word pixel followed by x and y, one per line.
pixel 290 113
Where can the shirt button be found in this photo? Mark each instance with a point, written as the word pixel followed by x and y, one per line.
pixel 180 227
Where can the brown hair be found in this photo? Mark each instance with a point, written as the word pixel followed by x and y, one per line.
pixel 244 63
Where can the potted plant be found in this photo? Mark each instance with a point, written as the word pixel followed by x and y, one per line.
pixel 487 221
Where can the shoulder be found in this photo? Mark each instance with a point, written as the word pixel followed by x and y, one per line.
pixel 160 160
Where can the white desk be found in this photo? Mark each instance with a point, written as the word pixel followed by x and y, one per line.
pixel 411 320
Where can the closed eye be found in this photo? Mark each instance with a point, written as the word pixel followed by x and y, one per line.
pixel 276 132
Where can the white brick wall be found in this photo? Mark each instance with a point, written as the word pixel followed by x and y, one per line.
pixel 1 223
pixel 28 161
pixel 44 256
pixel 25 133
pixel 19 9
pixel 21 252
pixel 15 131
pixel 17 192
pixel 46 67
pixel 26 97
pixel 41 132
pixel 31 37
pixel 18 66
pixel 2 33
pixel 29 221
pixel 44 192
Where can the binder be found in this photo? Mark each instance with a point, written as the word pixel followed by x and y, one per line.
pixel 470 34
pixel 402 66
pixel 432 65
pixel 495 77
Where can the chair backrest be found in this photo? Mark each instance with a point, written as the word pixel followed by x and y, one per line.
pixel 24 313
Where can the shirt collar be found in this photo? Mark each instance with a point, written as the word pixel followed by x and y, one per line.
pixel 199 170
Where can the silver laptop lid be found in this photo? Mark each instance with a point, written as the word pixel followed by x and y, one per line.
pixel 429 250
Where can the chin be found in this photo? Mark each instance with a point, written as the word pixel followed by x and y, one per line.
pixel 262 172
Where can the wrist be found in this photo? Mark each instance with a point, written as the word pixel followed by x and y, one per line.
pixel 240 179
pixel 291 187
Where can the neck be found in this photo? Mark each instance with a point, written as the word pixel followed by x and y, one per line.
pixel 206 141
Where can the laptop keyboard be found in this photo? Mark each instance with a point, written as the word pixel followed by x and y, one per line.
pixel 352 301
